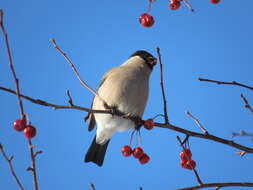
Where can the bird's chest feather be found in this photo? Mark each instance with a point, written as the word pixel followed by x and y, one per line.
pixel 128 91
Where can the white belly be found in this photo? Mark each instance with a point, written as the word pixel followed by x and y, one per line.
pixel 107 125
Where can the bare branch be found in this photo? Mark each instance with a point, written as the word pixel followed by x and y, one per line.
pixel 219 185
pixel 162 86
pixel 120 114
pixel 75 107
pixel 9 161
pixel 228 83
pixel 242 133
pixel 21 108
pixel 76 72
pixel 188 5
pixel 5 36
pixel 246 104
pixel 197 122
pixel 205 136
pixel 34 172
pixel 193 169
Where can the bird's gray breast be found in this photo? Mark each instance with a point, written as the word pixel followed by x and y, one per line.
pixel 127 89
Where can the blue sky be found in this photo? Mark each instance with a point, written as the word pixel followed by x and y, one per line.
pixel 214 42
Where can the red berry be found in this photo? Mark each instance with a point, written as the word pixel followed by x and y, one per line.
pixel 138 152
pixel 187 153
pixel 146 20
pixel 190 164
pixel 183 163
pixel 183 156
pixel 126 150
pixel 144 159
pixel 149 124
pixel 174 4
pixel 29 131
pixel 19 125
pixel 214 1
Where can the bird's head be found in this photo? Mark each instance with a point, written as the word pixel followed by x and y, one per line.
pixel 149 59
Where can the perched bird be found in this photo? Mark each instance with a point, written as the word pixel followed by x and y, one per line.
pixel 125 89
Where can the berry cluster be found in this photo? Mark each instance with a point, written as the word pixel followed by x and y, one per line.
pixel 147 20
pixel 186 159
pixel 137 152
pixel 28 130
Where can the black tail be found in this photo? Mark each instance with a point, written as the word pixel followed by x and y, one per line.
pixel 96 152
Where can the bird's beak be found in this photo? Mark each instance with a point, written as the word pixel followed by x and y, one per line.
pixel 153 62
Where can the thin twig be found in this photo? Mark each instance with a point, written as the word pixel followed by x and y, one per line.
pixel 162 86
pixel 70 98
pixel 246 104
pixel 203 136
pixel 9 160
pixel 188 5
pixel 5 35
pixel 161 125
pixel 76 72
pixel 22 113
pixel 197 122
pixel 92 186
pixel 37 153
pixel 34 172
pixel 234 184
pixel 193 169
pixel 242 133
pixel 228 83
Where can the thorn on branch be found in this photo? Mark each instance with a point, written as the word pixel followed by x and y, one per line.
pixel 246 103
pixel 30 169
pixel 70 98
pixel 37 153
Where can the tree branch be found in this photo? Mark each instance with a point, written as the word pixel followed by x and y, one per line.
pixel 5 36
pixel 205 136
pixel 218 185
pixel 9 160
pixel 76 72
pixel 120 114
pixel 21 108
pixel 228 83
pixel 162 86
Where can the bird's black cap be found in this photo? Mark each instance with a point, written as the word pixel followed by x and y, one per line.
pixel 149 58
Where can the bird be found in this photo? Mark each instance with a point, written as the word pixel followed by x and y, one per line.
pixel 124 89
